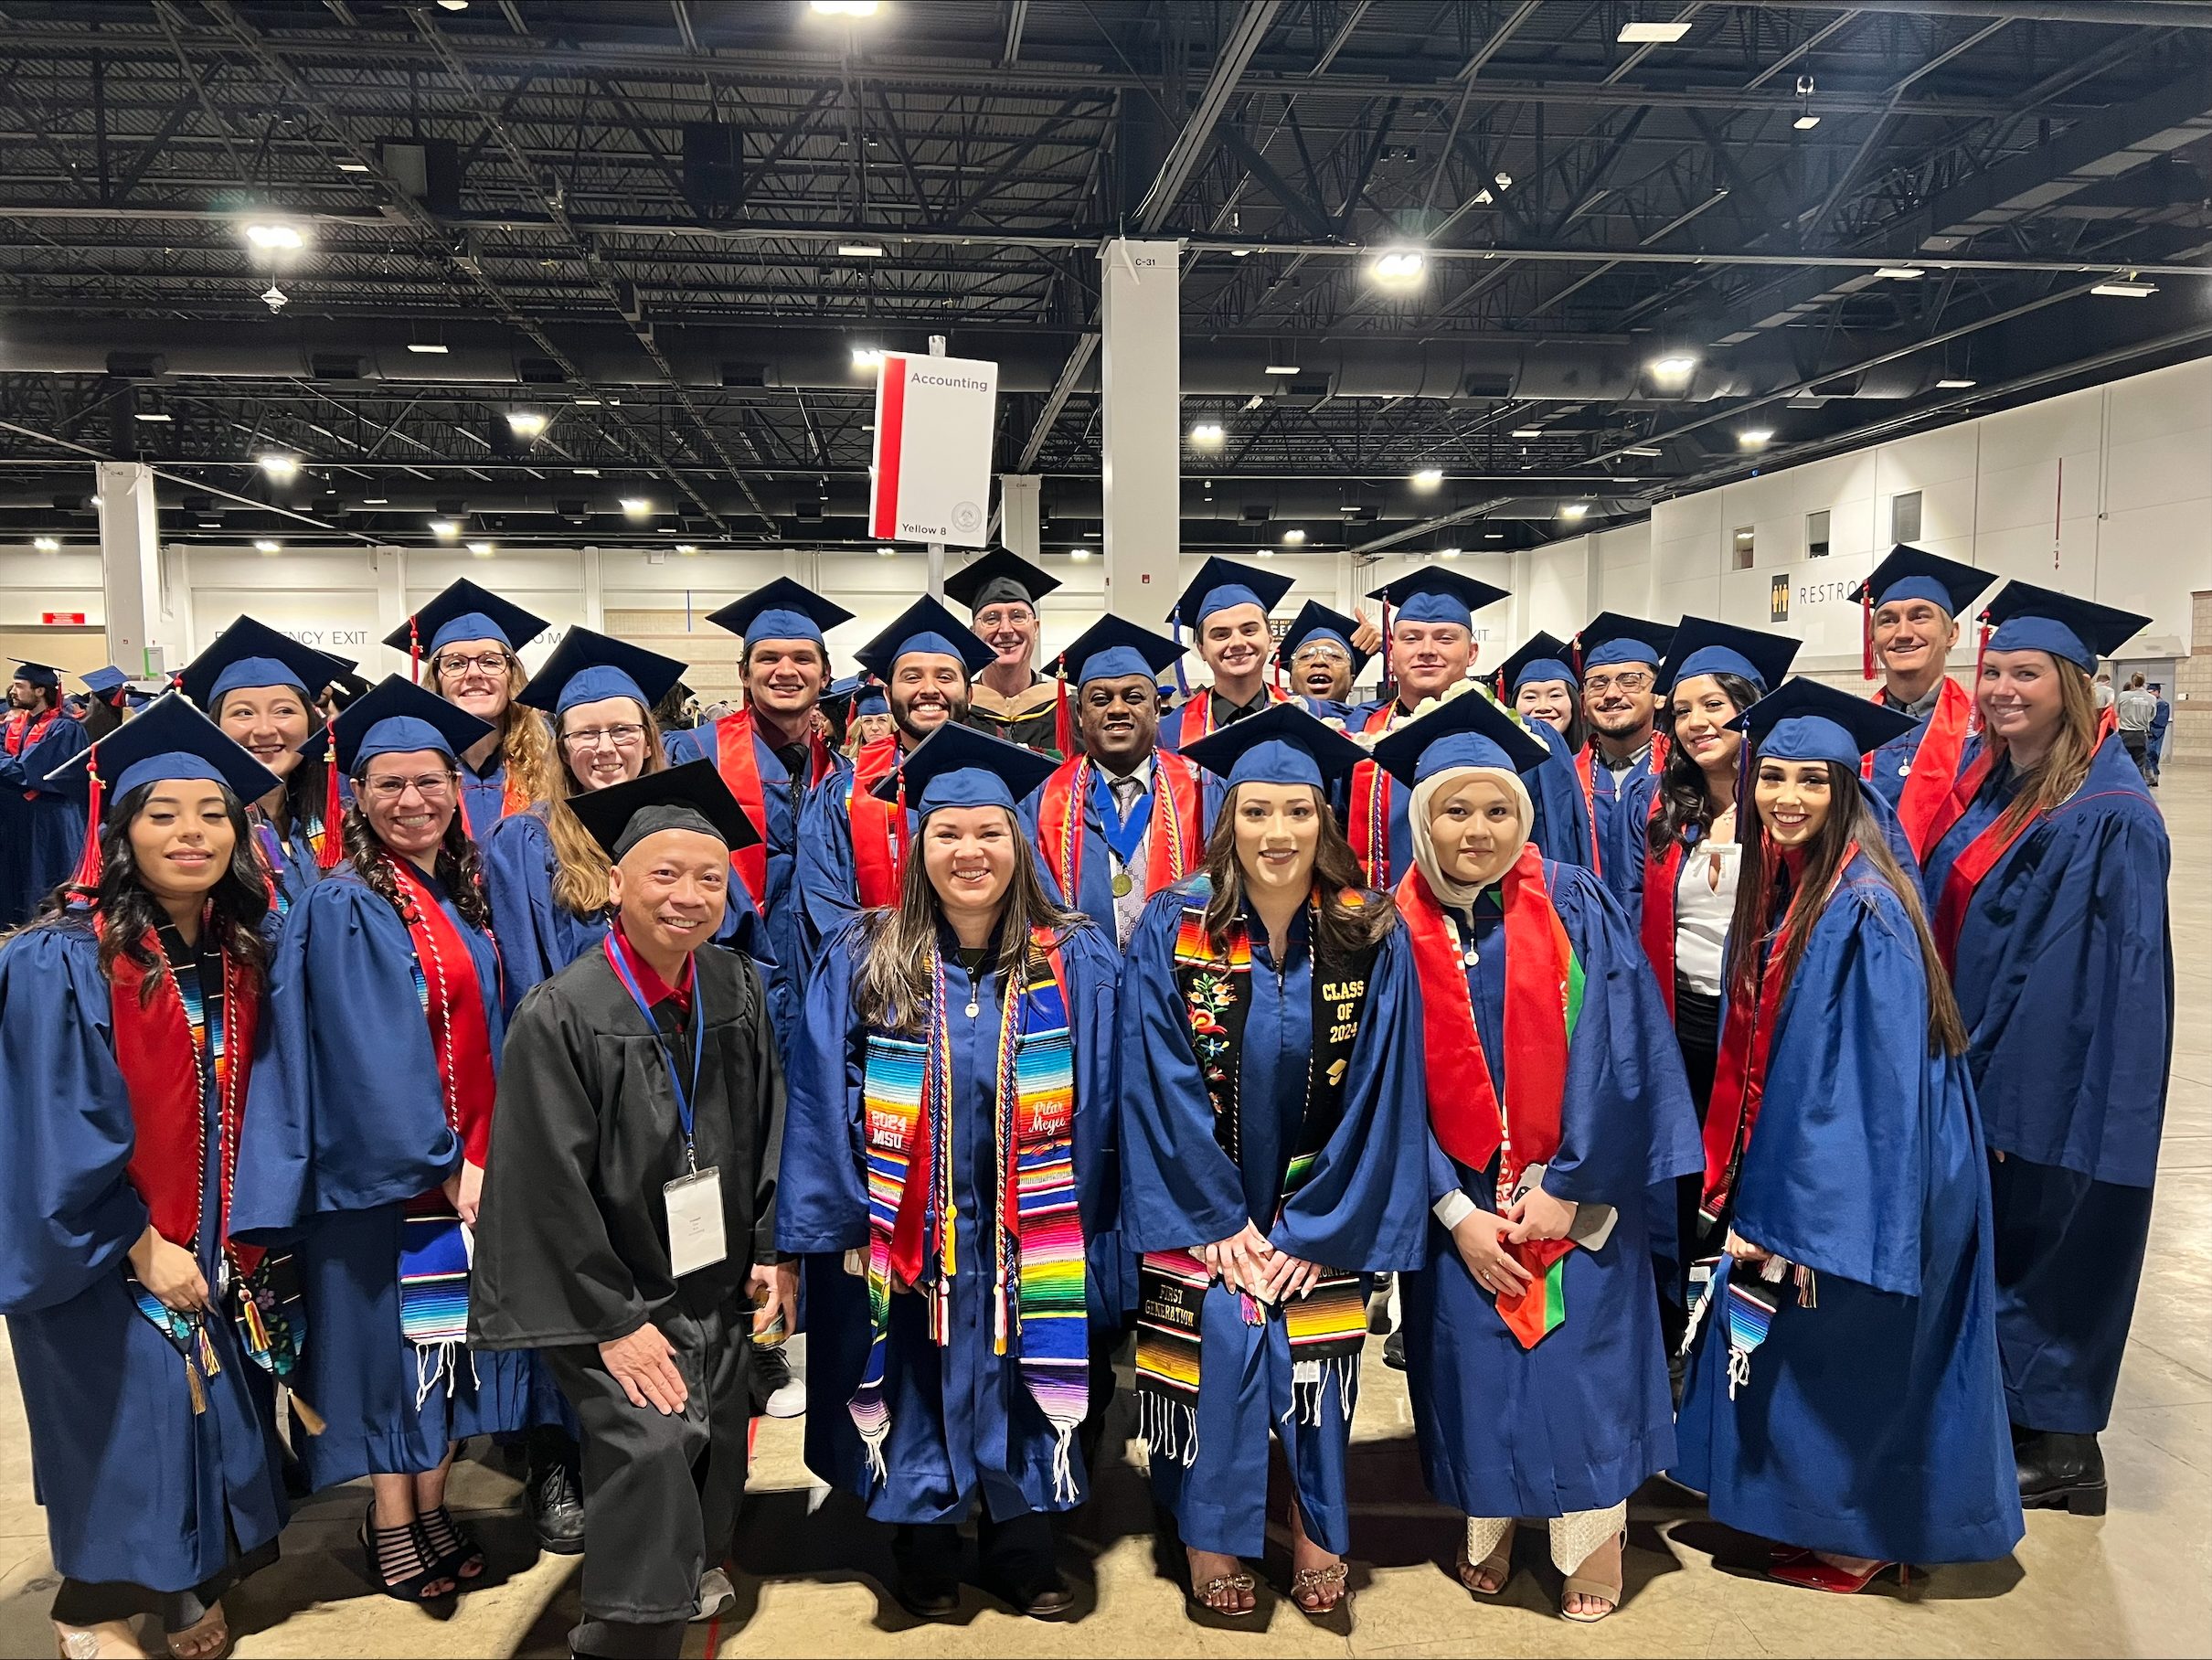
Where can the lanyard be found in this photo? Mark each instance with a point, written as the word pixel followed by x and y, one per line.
pixel 637 996
pixel 1125 836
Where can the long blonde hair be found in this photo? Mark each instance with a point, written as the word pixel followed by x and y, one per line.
pixel 898 942
pixel 526 741
pixel 580 866
pixel 2065 764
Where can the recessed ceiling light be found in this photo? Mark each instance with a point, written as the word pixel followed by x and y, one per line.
pixel 1427 478
pixel 444 528
pixel 1675 366
pixel 867 357
pixel 1805 124
pixel 1573 510
pixel 279 466
pixel 861 250
pixel 1650 34
pixel 46 544
pixel 274 234
pixel 1527 433
pixel 1294 536
pixel 1754 438
pixel 154 415
pixel 266 545
pixel 1280 368
pixel 2128 289
pixel 1903 274
pixel 526 424
pixel 427 349
pixel 1399 268
pixel 1206 433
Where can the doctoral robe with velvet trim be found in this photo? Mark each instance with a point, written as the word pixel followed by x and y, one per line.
pixel 1584 1418
pixel 42 819
pixel 345 1127
pixel 1872 1423
pixel 538 936
pixel 136 1486
pixel 1361 1207
pixel 1621 804
pixel 963 1424
pixel 784 957
pixel 2064 971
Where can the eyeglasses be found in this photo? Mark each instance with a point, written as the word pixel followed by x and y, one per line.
pixel 432 786
pixel 489 663
pixel 590 737
pixel 1636 680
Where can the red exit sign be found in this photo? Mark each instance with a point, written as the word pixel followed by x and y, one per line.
pixel 62 618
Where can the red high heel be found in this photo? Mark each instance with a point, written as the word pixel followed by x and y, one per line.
pixel 1810 1571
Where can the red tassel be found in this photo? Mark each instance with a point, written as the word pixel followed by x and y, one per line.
pixel 1865 618
pixel 88 863
pixel 414 653
pixel 1063 726
pixel 1981 650
pixel 334 809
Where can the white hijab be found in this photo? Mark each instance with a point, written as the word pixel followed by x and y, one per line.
pixel 1456 895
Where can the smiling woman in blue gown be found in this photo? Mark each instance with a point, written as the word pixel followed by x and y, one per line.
pixel 955 1064
pixel 41 814
pixel 1270 1136
pixel 128 1017
pixel 1843 1397
pixel 366 1141
pixel 1556 1101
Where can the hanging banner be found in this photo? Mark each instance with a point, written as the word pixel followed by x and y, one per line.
pixel 935 418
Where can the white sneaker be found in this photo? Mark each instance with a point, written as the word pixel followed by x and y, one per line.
pixel 718 1596
pixel 789 1400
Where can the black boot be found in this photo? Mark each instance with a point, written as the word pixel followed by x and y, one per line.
pixel 1394 1350
pixel 1017 1560
pixel 557 1492
pixel 2060 1470
pixel 926 1563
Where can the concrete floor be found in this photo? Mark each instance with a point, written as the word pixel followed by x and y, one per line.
pixel 2136 1581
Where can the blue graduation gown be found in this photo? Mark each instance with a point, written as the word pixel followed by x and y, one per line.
pixel 1872 1423
pixel 2065 976
pixel 783 968
pixel 825 890
pixel 1623 810
pixel 1584 1418
pixel 44 822
pixel 136 1486
pixel 962 1425
pixel 538 936
pixel 1562 818
pixel 341 1131
pixel 1359 1209
pixel 1096 871
pixel 483 795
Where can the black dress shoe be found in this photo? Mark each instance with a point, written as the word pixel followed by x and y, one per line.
pixel 926 1564
pixel 556 1495
pixel 2060 1470
pixel 1394 1350
pixel 1017 1563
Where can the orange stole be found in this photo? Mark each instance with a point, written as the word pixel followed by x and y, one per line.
pixel 880 827
pixel 1168 857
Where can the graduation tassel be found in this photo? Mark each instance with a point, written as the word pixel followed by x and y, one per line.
pixel 86 877
pixel 1174 628
pixel 1865 629
pixel 414 653
pixel 1063 726
pixel 333 808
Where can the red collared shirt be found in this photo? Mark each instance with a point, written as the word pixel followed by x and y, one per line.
pixel 656 990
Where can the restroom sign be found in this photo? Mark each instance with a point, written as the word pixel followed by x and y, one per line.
pixel 935 419
pixel 1778 599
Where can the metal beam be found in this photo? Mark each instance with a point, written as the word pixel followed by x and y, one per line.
pixel 1310 218
pixel 1184 156
pixel 2155 13
pixel 1078 360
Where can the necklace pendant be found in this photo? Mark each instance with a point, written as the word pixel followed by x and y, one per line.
pixel 974 1009
pixel 1472 957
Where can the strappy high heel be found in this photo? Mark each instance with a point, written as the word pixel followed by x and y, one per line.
pixel 1308 1582
pixel 452 1547
pixel 392 1552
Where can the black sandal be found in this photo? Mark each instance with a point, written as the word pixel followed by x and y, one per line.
pixel 402 1562
pixel 453 1545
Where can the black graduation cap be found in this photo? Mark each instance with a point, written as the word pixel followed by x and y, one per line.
pixel 1434 594
pixel 39 673
pixel 465 612
pixel 1221 583
pixel 781 610
pixel 587 665
pixel 1317 621
pixel 1544 657
pixel 348 688
pixel 1807 721
pixel 690 797
pixel 925 626
pixel 957 766
pixel 1280 745
pixel 2042 619
pixel 1466 731
pixel 1910 573
pixel 397 719
pixel 1704 647
pixel 1609 639
pixel 1114 646
pixel 999 576
pixel 250 652
pixel 170 738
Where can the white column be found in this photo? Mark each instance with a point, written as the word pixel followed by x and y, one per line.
pixel 594 593
pixel 1018 508
pixel 390 565
pixel 1141 395
pixel 142 637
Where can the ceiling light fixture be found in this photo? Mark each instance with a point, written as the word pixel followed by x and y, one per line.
pixel 1293 536
pixel 585 472
pixel 454 5
pixel 886 553
pixel 868 356
pixel 446 528
pixel 274 234
pixel 46 544
pixel 1399 266
pixel 1650 34
pixel 266 545
pixel 861 250
pixel 353 166
pixel 1675 365
pixel 1448 553
pixel 1527 433
pixel 482 550
pixel 1639 449
pixel 156 415
pixel 1805 124
pixel 1078 554
pixel 1573 510
pixel 375 501
pixel 1755 438
pixel 1427 478
pixel 1280 368
pixel 2127 288
pixel 688 549
pixel 636 506
pixel 1206 433
pixel 587 403
pixel 846 8
pixel 427 349
pixel 1903 274
pixel 526 424
pixel 1953 383
pixel 280 467
pixel 1240 253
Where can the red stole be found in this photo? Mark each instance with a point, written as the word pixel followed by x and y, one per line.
pixel 461 1036
pixel 1196 716
pixel 740 765
pixel 1656 926
pixel 1934 764
pixel 1369 828
pixel 21 732
pixel 1174 846
pixel 1740 1074
pixel 880 827
pixel 160 1074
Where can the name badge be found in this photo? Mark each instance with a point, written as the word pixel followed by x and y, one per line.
pixel 694 1221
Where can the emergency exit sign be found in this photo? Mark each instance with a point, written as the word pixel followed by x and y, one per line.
pixel 62 618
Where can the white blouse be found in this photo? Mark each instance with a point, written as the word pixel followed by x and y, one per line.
pixel 1705 899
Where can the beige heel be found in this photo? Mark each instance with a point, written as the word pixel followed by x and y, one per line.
pixel 1497 1565
pixel 1609 1594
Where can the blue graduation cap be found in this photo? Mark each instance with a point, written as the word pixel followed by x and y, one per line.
pixel 1434 594
pixel 465 612
pixel 957 766
pixel 925 626
pixel 1316 620
pixel 397 719
pixel 1806 720
pixel 690 797
pixel 1114 646
pixel 1544 657
pixel 997 577
pixel 1704 647
pixel 781 610
pixel 104 683
pixel 587 667
pixel 250 652
pixel 1221 583
pixel 39 673
pixel 1911 574
pixel 1609 639
pixel 1280 745
pixel 2043 620
pixel 1468 730
pixel 170 738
